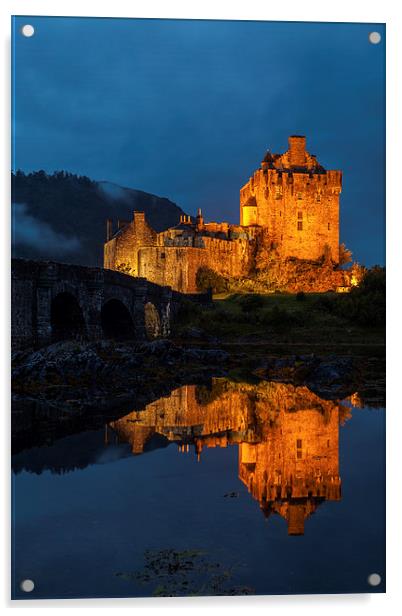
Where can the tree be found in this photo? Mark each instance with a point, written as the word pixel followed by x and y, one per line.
pixel 124 268
pixel 345 255
pixel 207 278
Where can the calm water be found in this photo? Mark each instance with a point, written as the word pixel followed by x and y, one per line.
pixel 246 488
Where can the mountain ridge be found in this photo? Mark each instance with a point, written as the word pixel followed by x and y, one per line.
pixel 62 216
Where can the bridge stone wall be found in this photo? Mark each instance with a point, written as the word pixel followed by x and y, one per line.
pixel 35 285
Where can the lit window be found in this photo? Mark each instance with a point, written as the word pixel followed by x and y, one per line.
pixel 299 225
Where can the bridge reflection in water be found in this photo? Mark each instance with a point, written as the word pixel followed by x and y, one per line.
pixel 288 439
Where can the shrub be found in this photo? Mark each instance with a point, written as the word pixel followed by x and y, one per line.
pixel 345 255
pixel 249 303
pixel 188 310
pixel 364 305
pixel 373 281
pixel 207 278
pixel 367 301
pixel 325 303
pixel 280 318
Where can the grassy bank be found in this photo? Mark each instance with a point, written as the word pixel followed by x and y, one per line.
pixel 281 320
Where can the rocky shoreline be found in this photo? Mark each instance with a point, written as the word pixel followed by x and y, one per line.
pixel 107 374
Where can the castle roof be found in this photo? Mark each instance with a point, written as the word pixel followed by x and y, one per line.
pixel 268 158
pixel 182 226
pixel 296 159
pixel 251 202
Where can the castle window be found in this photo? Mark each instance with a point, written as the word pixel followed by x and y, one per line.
pixel 299 443
pixel 299 225
pixel 278 192
pixel 299 454
pixel 163 256
pixel 299 196
pixel 300 215
pixel 318 199
pixel 329 226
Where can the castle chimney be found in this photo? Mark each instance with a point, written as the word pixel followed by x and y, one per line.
pixel 297 151
pixel 199 219
pixel 140 216
pixel 109 229
pixel 296 516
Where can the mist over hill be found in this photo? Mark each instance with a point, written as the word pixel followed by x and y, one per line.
pixel 62 217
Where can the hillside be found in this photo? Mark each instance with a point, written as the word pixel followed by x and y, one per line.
pixel 62 217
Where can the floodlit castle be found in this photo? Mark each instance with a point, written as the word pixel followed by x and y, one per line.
pixel 289 210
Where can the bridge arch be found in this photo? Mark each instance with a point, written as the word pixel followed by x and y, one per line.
pixel 56 301
pixel 66 317
pixel 116 320
pixel 152 317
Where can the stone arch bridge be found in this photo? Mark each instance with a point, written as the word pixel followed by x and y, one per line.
pixel 57 301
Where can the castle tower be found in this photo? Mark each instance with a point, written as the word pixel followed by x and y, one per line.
pixel 295 466
pixel 296 201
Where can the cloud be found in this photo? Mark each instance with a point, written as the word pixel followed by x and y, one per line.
pixel 31 232
pixel 113 191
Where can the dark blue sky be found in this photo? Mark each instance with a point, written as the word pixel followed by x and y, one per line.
pixel 186 109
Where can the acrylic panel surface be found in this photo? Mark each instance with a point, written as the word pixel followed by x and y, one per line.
pixel 198 282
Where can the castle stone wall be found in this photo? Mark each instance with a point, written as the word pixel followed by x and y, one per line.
pixel 178 266
pixel 121 252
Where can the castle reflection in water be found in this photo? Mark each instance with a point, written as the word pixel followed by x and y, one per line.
pixel 288 439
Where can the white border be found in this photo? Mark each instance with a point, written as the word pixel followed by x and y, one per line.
pixel 291 10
